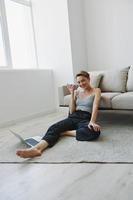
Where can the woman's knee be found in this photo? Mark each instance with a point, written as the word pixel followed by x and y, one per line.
pixel 85 134
pixel 61 126
pixel 96 134
pixel 51 127
pixel 54 127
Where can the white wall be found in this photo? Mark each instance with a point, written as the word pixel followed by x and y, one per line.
pixel 53 38
pixel 109 32
pixel 83 34
pixel 78 35
pixel 24 94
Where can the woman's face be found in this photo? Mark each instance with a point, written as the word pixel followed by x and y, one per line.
pixel 83 82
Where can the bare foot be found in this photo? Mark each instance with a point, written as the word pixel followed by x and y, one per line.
pixel 28 153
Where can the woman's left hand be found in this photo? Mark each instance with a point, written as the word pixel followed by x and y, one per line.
pixel 94 126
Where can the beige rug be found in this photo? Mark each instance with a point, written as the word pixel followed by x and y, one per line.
pixel 115 144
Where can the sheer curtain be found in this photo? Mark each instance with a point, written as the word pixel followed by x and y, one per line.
pixel 21 35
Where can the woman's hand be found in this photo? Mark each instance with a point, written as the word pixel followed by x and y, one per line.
pixel 94 126
pixel 71 88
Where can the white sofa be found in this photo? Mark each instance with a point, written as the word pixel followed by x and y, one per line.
pixel 116 89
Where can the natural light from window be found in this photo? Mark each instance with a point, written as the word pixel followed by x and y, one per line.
pixel 2 51
pixel 21 35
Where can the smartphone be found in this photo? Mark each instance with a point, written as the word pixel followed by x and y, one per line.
pixel 72 84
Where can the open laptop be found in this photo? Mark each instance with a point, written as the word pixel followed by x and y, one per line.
pixel 30 142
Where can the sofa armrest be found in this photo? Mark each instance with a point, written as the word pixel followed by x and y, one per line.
pixel 62 92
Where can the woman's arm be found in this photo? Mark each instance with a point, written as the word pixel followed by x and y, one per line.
pixel 72 104
pixel 95 110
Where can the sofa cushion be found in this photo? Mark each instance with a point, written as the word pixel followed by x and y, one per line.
pixel 114 80
pixel 123 101
pixel 66 100
pixel 106 98
pixel 95 79
pixel 130 79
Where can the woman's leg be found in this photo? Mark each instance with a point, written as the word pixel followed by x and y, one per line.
pixel 49 139
pixel 56 130
pixel 40 147
pixel 69 133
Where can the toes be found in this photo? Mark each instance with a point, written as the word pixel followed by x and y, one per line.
pixel 18 153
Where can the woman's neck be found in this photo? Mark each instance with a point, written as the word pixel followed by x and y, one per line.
pixel 88 89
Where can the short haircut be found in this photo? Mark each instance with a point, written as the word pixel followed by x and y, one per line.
pixel 83 73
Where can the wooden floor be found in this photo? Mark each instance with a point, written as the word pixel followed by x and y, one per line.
pixel 24 181
pixel 66 181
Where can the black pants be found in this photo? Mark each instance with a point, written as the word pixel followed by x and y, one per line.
pixel 76 121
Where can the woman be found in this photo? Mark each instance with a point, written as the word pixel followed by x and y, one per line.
pixel 81 122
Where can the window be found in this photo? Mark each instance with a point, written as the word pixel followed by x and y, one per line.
pixel 19 28
pixel 2 50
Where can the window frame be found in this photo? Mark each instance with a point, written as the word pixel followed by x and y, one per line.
pixel 5 32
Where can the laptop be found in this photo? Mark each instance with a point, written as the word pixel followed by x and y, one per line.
pixel 30 142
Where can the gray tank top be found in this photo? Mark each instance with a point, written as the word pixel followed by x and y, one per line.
pixel 85 104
